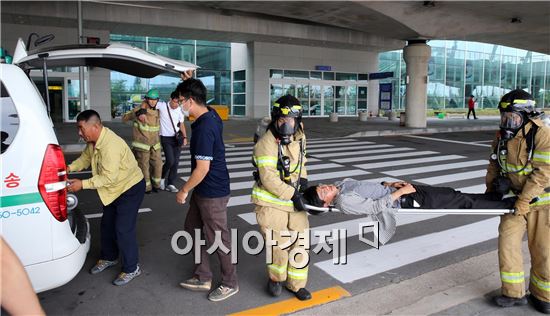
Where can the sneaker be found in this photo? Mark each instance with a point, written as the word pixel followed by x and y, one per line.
pixel 102 265
pixel 124 278
pixel 194 284
pixel 541 306
pixel 506 301
pixel 171 188
pixel 222 292
pixel 162 184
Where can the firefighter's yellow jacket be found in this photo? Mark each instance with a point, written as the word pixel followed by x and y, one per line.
pixel 274 192
pixel 145 135
pixel 531 182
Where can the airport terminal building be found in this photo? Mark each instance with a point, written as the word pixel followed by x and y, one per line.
pixel 248 61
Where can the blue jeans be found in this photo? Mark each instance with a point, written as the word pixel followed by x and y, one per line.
pixel 118 228
pixel 171 155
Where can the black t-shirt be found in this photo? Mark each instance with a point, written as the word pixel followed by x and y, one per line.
pixel 207 144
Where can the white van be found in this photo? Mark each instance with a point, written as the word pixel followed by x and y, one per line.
pixel 51 241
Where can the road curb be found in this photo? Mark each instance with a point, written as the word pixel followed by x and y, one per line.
pixel 416 131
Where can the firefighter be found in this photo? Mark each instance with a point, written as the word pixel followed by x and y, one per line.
pixel 146 139
pixel 279 157
pixel 520 165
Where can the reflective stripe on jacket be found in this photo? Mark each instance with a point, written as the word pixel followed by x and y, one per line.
pixel 145 135
pixel 535 178
pixel 273 191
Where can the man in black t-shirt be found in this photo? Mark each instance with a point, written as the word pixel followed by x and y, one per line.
pixel 210 181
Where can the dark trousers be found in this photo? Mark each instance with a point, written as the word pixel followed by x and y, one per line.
pixel 210 215
pixel 171 155
pixel 118 228
pixel 447 198
pixel 471 111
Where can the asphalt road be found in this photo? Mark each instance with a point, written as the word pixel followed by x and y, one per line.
pixel 421 244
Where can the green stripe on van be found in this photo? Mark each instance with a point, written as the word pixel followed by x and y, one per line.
pixel 12 200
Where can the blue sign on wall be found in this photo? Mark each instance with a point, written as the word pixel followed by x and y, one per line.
pixel 385 96
pixel 380 75
pixel 323 68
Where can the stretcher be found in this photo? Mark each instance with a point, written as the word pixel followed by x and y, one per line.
pixel 418 211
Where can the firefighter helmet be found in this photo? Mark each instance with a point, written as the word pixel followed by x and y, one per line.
pixel 516 107
pixel 286 107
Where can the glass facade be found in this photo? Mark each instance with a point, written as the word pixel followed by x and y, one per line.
pixel 214 58
pixel 321 92
pixel 459 69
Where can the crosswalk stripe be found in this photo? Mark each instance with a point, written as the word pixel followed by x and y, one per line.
pixel 311 177
pixel 309 146
pixel 392 163
pixel 453 177
pixel 480 188
pixel 386 156
pixel 322 166
pixel 432 168
pixel 370 262
pixel 339 150
pixel 364 153
pixel 335 152
pixel 329 140
pixel 187 162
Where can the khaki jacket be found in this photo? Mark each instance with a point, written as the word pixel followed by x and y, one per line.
pixel 274 192
pixel 114 168
pixel 145 135
pixel 535 178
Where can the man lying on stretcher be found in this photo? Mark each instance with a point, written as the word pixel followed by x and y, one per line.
pixel 380 201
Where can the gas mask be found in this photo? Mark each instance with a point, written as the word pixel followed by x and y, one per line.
pixel 286 129
pixel 510 123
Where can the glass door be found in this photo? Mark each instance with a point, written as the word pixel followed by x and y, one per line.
pixel 328 99
pixel 72 98
pixel 315 108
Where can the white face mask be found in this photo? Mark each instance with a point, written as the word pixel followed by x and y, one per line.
pixel 186 113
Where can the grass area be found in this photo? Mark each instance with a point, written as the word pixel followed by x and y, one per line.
pixel 465 111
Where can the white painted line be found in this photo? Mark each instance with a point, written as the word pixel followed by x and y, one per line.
pixel 238 166
pixel 394 255
pixel 406 161
pixel 346 143
pixel 480 188
pixel 339 150
pixel 448 141
pixel 322 166
pixel 239 200
pixel 98 215
pixel 310 177
pixel 453 177
pixel 365 155
pixel 328 140
pixel 431 168
pixel 335 152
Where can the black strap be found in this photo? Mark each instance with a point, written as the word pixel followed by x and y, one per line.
pixel 171 122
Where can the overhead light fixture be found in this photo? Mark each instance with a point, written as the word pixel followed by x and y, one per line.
pixel 515 20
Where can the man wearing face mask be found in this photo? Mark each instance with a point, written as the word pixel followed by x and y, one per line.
pixel 146 139
pixel 279 157
pixel 520 165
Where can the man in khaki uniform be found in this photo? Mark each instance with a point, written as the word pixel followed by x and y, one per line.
pixel 520 165
pixel 146 139
pixel 279 156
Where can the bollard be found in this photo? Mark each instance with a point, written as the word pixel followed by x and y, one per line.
pixel 402 118
pixel 333 117
pixel 363 115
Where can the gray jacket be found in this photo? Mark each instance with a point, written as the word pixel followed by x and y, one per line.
pixel 358 197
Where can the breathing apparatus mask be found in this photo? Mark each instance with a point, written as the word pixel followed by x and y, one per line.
pixel 516 107
pixel 286 118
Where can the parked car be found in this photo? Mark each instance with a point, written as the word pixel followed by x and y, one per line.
pixel 51 241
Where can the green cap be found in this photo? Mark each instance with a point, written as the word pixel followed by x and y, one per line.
pixel 152 94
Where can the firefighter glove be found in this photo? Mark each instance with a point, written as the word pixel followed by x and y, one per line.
pixel 298 201
pixel 303 184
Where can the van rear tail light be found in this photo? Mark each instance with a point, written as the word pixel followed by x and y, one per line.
pixel 52 183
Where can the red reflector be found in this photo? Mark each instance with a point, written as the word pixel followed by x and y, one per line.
pixel 54 171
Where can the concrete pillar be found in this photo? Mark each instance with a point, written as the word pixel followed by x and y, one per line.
pixel 416 54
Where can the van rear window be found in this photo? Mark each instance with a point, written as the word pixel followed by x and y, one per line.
pixel 9 119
